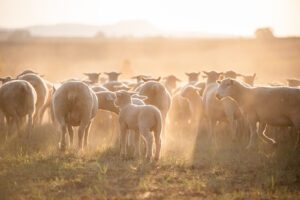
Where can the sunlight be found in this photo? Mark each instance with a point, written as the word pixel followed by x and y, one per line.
pixel 232 17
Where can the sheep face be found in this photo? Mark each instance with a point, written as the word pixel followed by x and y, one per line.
pixel 122 98
pixel 193 76
pixel 212 76
pixel 93 77
pixel 113 76
pixel 106 100
pixel 225 89
pixel 190 92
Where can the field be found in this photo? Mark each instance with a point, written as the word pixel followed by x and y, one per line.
pixel 190 167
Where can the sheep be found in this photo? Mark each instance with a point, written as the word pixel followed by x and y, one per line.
pixel 171 83
pixel 17 100
pixel 231 74
pixel 28 71
pixel 115 85
pixel 275 106
pixel 157 95
pixel 93 77
pixel 249 79
pixel 98 88
pixel 193 77
pixel 74 104
pixel 41 89
pixel 112 76
pixel 293 82
pixel 139 118
pixel 217 111
pixel 5 79
pixel 193 95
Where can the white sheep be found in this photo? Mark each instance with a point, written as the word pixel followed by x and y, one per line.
pixel 42 93
pixel 170 83
pixel 275 106
pixel 74 104
pixel 139 118
pixel 17 100
pixel 217 111
pixel 157 95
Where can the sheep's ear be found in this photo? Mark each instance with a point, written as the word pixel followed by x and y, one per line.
pixel 158 79
pixel 198 73
pixel 219 81
pixel 119 74
pixel 188 74
pixel 206 73
pixel 237 74
pixel 177 79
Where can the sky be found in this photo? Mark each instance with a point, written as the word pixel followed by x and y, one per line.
pixel 233 17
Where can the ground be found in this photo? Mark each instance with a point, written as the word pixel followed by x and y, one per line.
pixel 35 169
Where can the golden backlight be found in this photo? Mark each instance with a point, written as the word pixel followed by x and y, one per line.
pixel 222 17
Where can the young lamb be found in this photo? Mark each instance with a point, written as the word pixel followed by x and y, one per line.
pixel 74 104
pixel 17 100
pixel 139 118
pixel 275 106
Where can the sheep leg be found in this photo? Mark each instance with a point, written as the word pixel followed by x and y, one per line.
pixel 63 138
pixel 211 126
pixel 86 134
pixel 137 146
pixel 253 131
pixel 29 125
pixel 9 122
pixel 149 141
pixel 81 131
pixel 123 139
pixel 71 134
pixel 157 144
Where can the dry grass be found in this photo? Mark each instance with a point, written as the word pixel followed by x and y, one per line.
pixel 35 169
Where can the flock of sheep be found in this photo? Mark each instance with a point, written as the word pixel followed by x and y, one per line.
pixel 147 105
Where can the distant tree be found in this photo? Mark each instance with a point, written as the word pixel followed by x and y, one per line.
pixel 264 33
pixel 19 35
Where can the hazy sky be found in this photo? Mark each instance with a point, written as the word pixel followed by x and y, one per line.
pixel 238 17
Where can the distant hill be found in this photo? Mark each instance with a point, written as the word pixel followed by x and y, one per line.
pixel 124 28
pixel 135 28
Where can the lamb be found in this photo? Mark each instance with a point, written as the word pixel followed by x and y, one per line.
pixel 217 111
pixel 139 118
pixel 93 77
pixel 157 95
pixel 18 100
pixel 193 77
pixel 74 104
pixel 41 89
pixel 113 76
pixel 231 74
pixel 259 103
pixel 171 83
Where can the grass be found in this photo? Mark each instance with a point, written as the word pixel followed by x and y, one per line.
pixel 35 169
